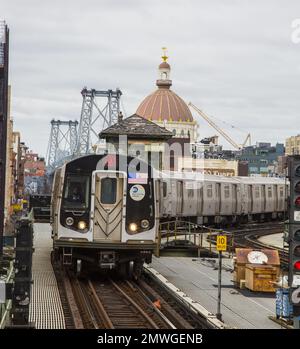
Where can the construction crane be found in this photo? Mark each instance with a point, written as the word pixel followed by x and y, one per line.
pixel 218 129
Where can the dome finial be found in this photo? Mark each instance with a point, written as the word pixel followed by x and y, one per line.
pixel 164 69
pixel 164 56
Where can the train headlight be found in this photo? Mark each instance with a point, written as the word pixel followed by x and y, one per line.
pixel 133 227
pixel 69 221
pixel 81 225
pixel 145 223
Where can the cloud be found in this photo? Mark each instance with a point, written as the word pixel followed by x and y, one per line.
pixel 233 59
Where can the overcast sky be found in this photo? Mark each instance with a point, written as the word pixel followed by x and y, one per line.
pixel 234 59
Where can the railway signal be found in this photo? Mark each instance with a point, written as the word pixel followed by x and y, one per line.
pixel 294 217
pixel 294 234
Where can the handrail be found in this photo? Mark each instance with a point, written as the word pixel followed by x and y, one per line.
pixel 174 228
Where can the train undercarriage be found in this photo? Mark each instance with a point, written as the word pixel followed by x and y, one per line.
pixel 122 258
pixel 223 221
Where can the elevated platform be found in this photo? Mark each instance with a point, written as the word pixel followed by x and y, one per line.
pixel 198 278
pixel 45 307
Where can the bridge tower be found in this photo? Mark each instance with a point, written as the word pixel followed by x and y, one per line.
pixel 99 110
pixel 62 142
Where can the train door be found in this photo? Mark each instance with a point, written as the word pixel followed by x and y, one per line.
pixel 256 198
pixel 200 200
pixel 243 198
pixel 159 200
pixel 218 198
pixel 56 193
pixel 276 199
pixel 173 197
pixel 179 191
pixel 281 198
pixel 269 198
pixel 234 199
pixel 263 196
pixel 250 199
pixel 162 196
pixel 190 199
pixel 108 205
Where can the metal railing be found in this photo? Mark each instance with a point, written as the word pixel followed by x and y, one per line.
pixel 193 232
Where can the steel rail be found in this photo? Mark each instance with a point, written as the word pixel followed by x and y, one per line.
pixel 106 320
pixel 136 306
pixel 84 301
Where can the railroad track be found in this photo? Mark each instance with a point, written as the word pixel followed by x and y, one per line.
pixel 283 254
pixel 110 304
pixel 113 303
pixel 248 238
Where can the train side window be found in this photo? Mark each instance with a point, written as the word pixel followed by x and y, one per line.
pixel 108 190
pixel 281 192
pixel 190 193
pixel 226 191
pixel 164 189
pixel 209 191
pixel 269 192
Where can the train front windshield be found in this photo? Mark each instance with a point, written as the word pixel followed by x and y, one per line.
pixel 76 192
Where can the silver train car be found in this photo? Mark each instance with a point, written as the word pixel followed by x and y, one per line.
pixel 103 217
pixel 222 200
pixel 108 216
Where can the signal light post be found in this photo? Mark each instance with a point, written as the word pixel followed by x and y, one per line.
pixel 294 234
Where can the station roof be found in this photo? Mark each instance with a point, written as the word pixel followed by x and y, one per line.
pixel 136 127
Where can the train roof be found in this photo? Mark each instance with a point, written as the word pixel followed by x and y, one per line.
pixel 216 178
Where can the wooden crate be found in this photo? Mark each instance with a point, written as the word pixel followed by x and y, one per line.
pixel 260 278
pixel 238 273
pixel 241 260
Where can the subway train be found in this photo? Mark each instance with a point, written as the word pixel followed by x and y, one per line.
pixel 103 213
pixel 106 209
pixel 211 199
